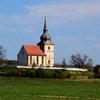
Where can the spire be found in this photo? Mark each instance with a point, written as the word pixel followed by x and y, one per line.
pixel 45 30
pixel 45 36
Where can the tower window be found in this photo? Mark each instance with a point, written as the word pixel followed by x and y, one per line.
pixel 48 48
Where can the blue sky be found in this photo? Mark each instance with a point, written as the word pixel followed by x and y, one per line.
pixel 74 26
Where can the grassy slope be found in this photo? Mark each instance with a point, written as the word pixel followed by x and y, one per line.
pixel 48 89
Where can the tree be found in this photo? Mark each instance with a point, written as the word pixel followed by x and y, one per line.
pixel 2 55
pixel 64 63
pixel 89 64
pixel 97 71
pixel 57 65
pixel 78 60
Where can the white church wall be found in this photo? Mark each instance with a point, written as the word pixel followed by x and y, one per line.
pixel 22 57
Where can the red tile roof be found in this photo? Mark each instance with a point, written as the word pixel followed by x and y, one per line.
pixel 33 50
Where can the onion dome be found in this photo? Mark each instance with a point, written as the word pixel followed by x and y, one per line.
pixel 45 37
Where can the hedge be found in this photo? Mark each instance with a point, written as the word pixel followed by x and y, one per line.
pixel 41 73
pixel 35 73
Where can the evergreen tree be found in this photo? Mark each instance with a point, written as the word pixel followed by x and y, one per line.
pixel 2 55
pixel 64 65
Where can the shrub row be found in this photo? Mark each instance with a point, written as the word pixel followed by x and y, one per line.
pixel 43 73
pixel 35 73
pixel 97 75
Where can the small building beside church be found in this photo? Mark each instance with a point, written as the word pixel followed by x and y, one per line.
pixel 41 54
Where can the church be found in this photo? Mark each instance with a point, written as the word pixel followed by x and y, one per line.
pixel 41 54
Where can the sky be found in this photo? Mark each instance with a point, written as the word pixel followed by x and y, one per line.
pixel 74 26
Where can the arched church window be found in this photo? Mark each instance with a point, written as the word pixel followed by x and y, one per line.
pixel 37 60
pixel 48 61
pixel 42 60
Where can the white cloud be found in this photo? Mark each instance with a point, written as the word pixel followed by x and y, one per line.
pixel 4 29
pixel 27 30
pixel 65 10
pixel 60 13
pixel 91 38
pixel 14 17
pixel 76 39
pixel 97 46
pixel 20 19
pixel 56 12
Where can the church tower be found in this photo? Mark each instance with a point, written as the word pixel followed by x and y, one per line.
pixel 47 46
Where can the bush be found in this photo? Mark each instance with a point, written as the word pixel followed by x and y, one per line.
pixel 40 73
pixel 62 74
pixel 88 67
pixel 97 71
pixel 31 73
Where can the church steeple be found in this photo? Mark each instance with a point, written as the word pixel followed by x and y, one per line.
pixel 47 46
pixel 45 30
pixel 45 36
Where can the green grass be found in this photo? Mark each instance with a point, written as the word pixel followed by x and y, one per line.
pixel 48 89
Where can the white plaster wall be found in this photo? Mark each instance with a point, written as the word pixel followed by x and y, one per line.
pixel 22 57
pixel 50 54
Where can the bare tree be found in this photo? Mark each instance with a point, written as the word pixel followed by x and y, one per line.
pixel 78 60
pixel 2 55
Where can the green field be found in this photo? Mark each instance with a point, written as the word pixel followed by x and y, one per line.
pixel 48 89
